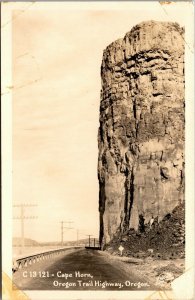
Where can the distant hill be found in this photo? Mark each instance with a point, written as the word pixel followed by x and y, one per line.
pixel 81 242
pixel 16 242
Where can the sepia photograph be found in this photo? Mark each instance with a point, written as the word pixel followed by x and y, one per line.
pixel 97 112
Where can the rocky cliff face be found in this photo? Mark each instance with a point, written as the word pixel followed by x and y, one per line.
pixel 141 133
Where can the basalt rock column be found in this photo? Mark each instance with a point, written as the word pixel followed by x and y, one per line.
pixel 141 133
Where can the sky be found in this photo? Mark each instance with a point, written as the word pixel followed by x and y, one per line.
pixel 56 59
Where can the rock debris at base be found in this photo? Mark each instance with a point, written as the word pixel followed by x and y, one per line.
pixel 165 240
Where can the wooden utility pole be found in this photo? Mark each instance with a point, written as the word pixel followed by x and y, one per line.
pixel 89 235
pixel 64 227
pixel 62 233
pixel 80 233
pixel 77 237
pixel 22 217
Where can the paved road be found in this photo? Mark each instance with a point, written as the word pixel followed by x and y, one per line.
pixel 79 270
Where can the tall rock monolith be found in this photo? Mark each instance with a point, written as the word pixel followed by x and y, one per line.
pixel 141 133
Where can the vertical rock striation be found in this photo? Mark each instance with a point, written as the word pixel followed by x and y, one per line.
pixel 141 133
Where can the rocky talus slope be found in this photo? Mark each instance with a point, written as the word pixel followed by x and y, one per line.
pixel 162 240
pixel 141 133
